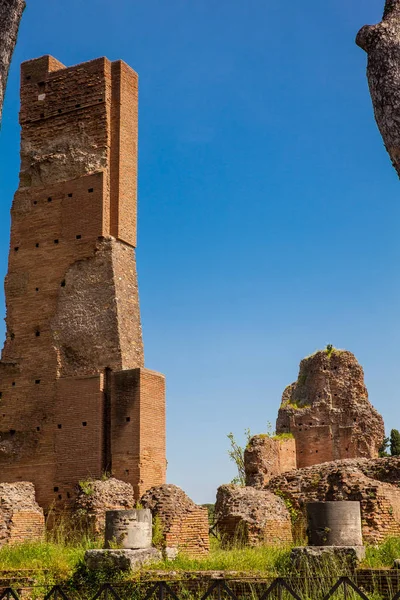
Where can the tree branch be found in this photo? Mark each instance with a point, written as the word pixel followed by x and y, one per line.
pixel 391 7
pixel 382 44
pixel 10 17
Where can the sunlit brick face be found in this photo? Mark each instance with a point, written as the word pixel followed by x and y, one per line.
pixel 73 320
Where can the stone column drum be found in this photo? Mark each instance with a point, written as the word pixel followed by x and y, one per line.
pixel 129 529
pixel 334 523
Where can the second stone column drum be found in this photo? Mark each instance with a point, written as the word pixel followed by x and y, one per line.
pixel 334 524
pixel 128 529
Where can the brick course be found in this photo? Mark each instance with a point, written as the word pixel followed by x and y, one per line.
pixel 185 524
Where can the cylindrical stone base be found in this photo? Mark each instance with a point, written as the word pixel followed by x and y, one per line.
pixel 334 524
pixel 131 529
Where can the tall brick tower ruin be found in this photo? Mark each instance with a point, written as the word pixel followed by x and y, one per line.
pixel 75 399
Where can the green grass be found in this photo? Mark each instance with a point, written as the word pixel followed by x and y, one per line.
pixel 59 561
pixel 383 555
pixel 267 560
pixel 51 561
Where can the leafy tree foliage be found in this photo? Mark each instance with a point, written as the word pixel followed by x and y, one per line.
pixel 395 442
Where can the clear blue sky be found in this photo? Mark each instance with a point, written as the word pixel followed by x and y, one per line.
pixel 269 213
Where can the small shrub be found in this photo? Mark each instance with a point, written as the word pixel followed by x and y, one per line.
pixel 158 532
pixel 87 487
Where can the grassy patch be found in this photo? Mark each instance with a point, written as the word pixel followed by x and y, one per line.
pixel 52 561
pixel 62 562
pixel 378 557
pixel 266 560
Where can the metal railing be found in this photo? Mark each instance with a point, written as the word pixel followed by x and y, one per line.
pixel 218 589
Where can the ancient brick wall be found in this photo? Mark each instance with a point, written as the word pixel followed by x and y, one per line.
pixel 328 412
pixel 374 483
pixel 71 288
pixel 265 457
pixel 96 497
pixel 253 517
pixel 21 518
pixel 184 523
pixel 138 403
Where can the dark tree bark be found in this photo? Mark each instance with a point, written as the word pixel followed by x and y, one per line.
pixel 10 17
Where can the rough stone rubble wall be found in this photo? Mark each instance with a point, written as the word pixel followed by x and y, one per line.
pixel 250 516
pixel 374 483
pixel 328 412
pixel 96 497
pixel 185 524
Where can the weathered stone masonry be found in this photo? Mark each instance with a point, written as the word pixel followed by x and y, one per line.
pixel 75 399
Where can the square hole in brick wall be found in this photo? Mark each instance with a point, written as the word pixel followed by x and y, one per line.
pixel 59 426
pixel 128 419
pixel 37 333
pixel 37 428
pixel 55 489
pixel 90 190
pixel 12 432
pixel 13 384
pixel 35 202
pixel 36 289
pixel 84 423
pixel 77 105
pixel 37 381
pixel 63 283
pixel 70 195
pixel 16 248
pixel 78 237
pixel 59 497
pixel 28 77
pixel 49 199
pixel 37 245
pixel 1 395
pixel 56 241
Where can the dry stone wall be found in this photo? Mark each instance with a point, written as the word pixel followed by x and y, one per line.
pixel 184 524
pixel 250 516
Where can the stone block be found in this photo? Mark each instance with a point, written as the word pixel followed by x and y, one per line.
pixel 131 529
pixel 170 553
pixel 313 556
pixel 121 559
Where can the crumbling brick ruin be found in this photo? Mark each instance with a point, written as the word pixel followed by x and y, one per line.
pixel 252 517
pixel 21 518
pixel 95 498
pixel 184 524
pixel 266 456
pixel 76 399
pixel 328 412
pixel 332 435
pixel 374 483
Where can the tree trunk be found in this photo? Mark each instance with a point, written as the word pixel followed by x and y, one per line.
pixel 10 17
